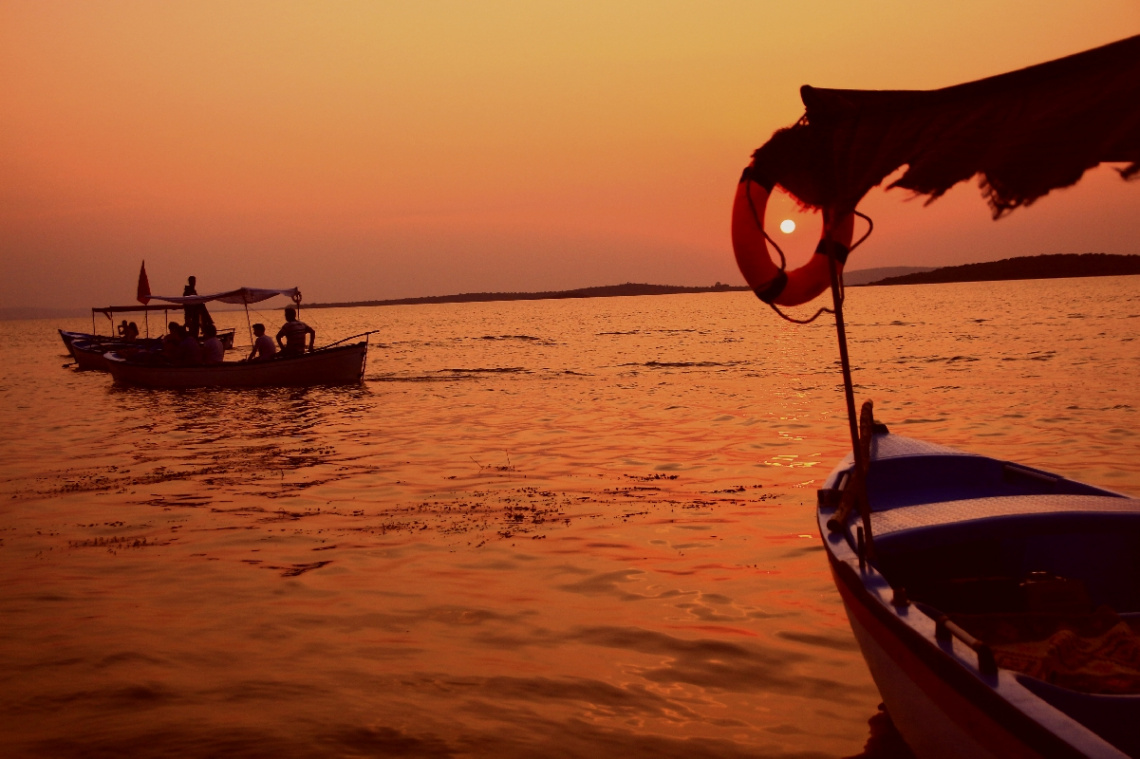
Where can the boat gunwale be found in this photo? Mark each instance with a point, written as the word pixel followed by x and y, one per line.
pixel 1001 696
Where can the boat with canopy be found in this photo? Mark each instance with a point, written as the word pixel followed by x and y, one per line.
pixel 88 348
pixel 997 605
pixel 242 295
pixel 95 339
pixel 339 363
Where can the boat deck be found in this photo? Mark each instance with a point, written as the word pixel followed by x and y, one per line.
pixel 944 513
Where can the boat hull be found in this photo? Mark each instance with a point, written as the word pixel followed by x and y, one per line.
pixel 941 697
pixel 70 338
pixel 88 356
pixel 92 356
pixel 342 365
pixel 938 718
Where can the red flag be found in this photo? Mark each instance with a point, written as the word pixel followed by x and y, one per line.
pixel 144 286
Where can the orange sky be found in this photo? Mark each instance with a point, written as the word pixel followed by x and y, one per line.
pixel 394 149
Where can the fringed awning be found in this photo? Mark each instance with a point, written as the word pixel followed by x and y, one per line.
pixel 1024 133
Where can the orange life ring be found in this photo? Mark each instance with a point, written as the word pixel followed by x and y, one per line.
pixel 768 281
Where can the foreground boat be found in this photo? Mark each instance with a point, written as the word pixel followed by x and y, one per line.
pixel 997 606
pixel 334 365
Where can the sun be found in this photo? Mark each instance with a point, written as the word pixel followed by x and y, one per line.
pixel 787 226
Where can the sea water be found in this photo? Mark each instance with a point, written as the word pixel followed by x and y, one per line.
pixel 570 528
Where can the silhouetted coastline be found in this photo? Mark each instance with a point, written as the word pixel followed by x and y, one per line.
pixel 1052 266
pixel 607 291
pixel 1055 266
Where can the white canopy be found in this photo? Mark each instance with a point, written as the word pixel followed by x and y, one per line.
pixel 244 295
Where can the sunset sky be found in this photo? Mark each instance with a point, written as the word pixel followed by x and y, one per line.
pixel 368 150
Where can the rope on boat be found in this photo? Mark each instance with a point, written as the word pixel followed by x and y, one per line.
pixel 855 491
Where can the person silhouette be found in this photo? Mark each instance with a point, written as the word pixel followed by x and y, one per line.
pixel 294 331
pixel 263 347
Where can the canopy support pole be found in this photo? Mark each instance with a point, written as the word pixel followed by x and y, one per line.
pixel 247 324
pixel 858 481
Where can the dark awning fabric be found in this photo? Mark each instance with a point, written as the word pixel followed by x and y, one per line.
pixel 245 295
pixel 108 310
pixel 1025 133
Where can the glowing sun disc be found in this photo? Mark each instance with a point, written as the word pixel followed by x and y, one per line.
pixel 787 226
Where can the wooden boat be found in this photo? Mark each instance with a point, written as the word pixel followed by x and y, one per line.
pixel 333 365
pixel 974 587
pixel 94 343
pixel 225 335
pixel 997 606
pixel 90 339
pixel 70 337
pixel 243 296
pixel 90 355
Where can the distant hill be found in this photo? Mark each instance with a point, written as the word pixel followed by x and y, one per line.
pixel 1025 267
pixel 866 276
pixel 14 313
pixel 1056 266
pixel 607 291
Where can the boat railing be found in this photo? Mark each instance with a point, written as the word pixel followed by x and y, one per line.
pixel 345 340
pixel 945 629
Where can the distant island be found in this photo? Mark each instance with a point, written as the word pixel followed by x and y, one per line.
pixel 607 291
pixel 867 276
pixel 1055 266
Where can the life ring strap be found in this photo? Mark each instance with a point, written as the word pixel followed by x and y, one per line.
pixel 774 288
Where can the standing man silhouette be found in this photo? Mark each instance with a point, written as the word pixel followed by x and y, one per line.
pixel 294 331
pixel 196 314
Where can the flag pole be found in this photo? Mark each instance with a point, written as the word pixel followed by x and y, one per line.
pixel 142 295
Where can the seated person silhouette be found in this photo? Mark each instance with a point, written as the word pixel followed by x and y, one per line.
pixel 212 350
pixel 263 347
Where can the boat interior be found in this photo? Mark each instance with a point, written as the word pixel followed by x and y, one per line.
pixel 972 535
pixel 1039 574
